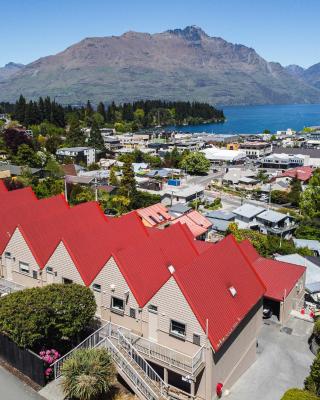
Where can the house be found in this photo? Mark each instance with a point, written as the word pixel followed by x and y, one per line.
pixel 154 215
pixel 172 195
pixel 220 220
pixel 234 175
pixel 313 245
pixel 196 222
pixel 246 215
pixel 303 174
pixel 84 154
pixel 146 284
pixel 112 143
pixel 276 223
pixel 17 170
pixel 256 149
pixel 284 282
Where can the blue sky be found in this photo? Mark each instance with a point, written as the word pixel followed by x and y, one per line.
pixel 279 30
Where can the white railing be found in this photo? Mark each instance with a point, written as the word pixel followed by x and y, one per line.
pixel 91 341
pixel 134 355
pixel 139 383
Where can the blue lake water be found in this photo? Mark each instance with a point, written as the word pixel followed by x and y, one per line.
pixel 254 119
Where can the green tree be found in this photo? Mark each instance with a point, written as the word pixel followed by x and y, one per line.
pixel 102 111
pixel 295 192
pixel 87 374
pixel 298 394
pixel 26 156
pixel 47 316
pixel 310 198
pixel 195 163
pixel 121 204
pixel 48 187
pixel 54 168
pixel 95 139
pixel 312 382
pixel 127 186
pixel 80 194
pixel 113 180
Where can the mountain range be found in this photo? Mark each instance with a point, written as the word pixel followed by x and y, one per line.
pixel 179 64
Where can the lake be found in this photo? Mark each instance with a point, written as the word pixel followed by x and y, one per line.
pixel 254 119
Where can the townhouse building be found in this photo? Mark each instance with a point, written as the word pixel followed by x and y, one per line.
pixel 190 310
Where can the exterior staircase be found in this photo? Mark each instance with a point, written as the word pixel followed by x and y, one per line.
pixel 132 367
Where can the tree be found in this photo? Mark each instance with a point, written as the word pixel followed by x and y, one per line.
pixel 13 138
pixel 295 192
pixel 113 180
pixel 310 198
pixel 128 183
pixel 195 163
pixel 102 111
pixel 80 194
pixel 87 374
pixel 47 316
pixel 49 187
pixel 26 156
pixel 120 203
pixel 312 382
pixel 298 394
pixel 95 139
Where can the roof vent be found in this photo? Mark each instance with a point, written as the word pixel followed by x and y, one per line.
pixel 233 291
pixel 171 269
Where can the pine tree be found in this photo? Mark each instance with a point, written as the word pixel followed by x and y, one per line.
pixel 113 180
pixel 20 110
pixel 128 183
pixel 96 140
pixel 102 111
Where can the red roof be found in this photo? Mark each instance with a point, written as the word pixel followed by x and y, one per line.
pixel 204 276
pixel 301 173
pixel 155 215
pixel 278 277
pixel 2 186
pixel 206 283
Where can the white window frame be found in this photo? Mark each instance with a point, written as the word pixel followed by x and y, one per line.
pixel 175 333
pixel 117 310
pixel 24 268
pixel 152 308
pixel 96 287
pixel 50 272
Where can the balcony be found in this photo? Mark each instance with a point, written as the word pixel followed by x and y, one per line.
pixel 170 358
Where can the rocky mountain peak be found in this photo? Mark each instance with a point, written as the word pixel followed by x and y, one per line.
pixel 192 33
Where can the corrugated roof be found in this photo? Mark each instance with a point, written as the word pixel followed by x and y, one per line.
pixel 2 186
pixel 155 214
pixel 301 173
pixel 248 210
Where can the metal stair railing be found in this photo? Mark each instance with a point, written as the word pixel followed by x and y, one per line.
pixel 131 373
pixel 133 353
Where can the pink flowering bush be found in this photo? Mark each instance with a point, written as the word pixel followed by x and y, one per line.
pixel 49 357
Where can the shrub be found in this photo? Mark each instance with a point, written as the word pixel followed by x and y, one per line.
pixel 88 373
pixel 298 394
pixel 46 316
pixel 312 382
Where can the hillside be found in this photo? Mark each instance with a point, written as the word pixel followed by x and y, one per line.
pixel 174 65
pixel 9 69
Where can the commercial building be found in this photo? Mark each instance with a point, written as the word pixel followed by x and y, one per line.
pixel 284 161
pixel 223 156
pixel 256 149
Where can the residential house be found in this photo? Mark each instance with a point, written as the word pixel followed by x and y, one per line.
pixel 146 284
pixel 303 174
pixel 84 154
pixel 276 223
pixel 220 220
pixel 313 245
pixel 172 195
pixel 246 215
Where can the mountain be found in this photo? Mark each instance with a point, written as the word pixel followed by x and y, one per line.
pixel 9 69
pixel 179 64
pixel 295 70
pixel 312 75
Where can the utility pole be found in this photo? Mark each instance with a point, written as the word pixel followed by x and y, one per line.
pixel 65 189
pixel 95 188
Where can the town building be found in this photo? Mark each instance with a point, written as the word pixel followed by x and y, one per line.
pixel 284 161
pixel 223 156
pixel 77 154
pixel 256 149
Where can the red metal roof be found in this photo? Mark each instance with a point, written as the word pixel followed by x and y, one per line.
pixel 278 277
pixel 2 186
pixel 301 173
pixel 91 239
pixel 155 215
pixel 205 282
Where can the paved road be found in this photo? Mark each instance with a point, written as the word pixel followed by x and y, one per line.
pixel 283 362
pixel 11 388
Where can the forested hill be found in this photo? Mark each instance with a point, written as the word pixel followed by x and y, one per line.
pixel 124 117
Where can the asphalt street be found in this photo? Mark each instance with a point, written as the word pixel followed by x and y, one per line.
pixel 14 389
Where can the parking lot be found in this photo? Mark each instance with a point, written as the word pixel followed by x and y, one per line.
pixel 283 362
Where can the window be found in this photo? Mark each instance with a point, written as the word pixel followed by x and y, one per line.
pixel 49 270
pixel 34 274
pixel 196 339
pixel 177 328
pixel 117 305
pixel 7 255
pixel 66 281
pixel 153 308
pixel 96 287
pixel 24 267
pixel 132 312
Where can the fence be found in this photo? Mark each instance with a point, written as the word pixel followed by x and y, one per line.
pixel 24 360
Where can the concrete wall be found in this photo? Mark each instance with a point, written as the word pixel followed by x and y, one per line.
pixel 293 300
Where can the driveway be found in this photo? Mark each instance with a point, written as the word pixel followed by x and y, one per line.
pixel 283 362
pixel 14 389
